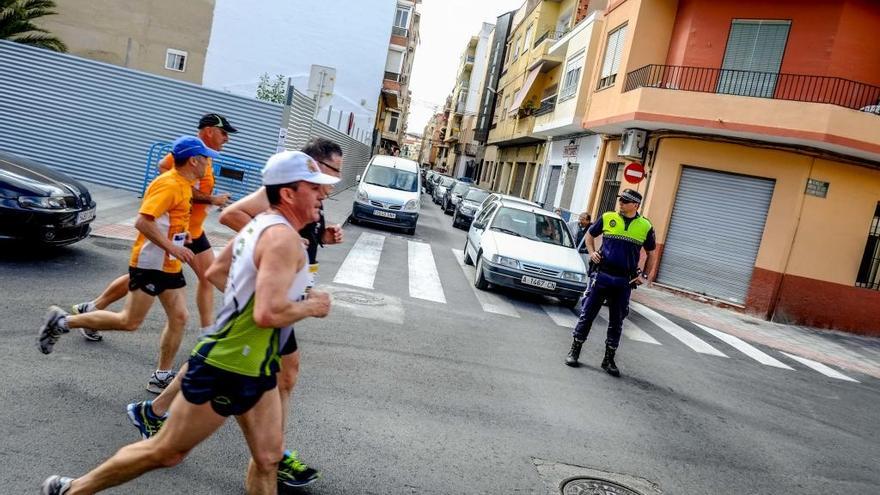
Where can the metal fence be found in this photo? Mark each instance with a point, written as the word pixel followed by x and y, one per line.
pixel 778 86
pixel 231 175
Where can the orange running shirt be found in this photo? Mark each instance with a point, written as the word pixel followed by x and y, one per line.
pixel 205 185
pixel 168 200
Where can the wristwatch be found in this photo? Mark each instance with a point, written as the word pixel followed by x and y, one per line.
pixel 645 275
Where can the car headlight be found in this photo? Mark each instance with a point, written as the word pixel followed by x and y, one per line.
pixel 504 260
pixel 43 202
pixel 362 196
pixel 575 276
pixel 411 205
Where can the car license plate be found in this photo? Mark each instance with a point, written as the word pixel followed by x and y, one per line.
pixel 537 282
pixel 386 214
pixel 85 216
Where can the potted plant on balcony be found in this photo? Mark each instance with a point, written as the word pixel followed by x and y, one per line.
pixel 528 108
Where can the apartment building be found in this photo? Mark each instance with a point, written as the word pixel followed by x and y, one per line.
pixel 393 107
pixel 753 130
pixel 432 140
pixel 163 37
pixel 463 104
pixel 515 154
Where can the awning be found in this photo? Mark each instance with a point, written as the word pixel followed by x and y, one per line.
pixel 521 96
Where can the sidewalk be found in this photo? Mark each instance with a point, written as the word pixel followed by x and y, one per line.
pixel 117 210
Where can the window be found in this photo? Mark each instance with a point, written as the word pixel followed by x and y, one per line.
pixel 392 121
pixel 175 60
pixel 527 40
pixel 869 270
pixel 516 48
pixel 572 76
pixel 504 107
pixel 564 22
pixel 613 54
pixel 753 57
pixel 394 62
pixel 401 21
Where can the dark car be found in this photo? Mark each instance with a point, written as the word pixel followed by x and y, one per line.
pixel 440 188
pixel 429 182
pixel 468 206
pixel 454 195
pixel 42 205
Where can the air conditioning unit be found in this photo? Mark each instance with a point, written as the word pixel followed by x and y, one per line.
pixel 632 144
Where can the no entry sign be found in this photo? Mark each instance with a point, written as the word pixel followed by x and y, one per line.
pixel 634 173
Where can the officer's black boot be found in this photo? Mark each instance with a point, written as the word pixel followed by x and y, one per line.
pixel 608 363
pixel 574 353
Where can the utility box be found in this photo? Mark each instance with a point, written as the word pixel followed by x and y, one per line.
pixel 632 144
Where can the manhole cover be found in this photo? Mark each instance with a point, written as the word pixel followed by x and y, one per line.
pixel 359 298
pixel 595 486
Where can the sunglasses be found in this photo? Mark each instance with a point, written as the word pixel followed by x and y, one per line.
pixel 331 167
pixel 625 201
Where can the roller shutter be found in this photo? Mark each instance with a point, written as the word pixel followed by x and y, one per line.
pixel 715 233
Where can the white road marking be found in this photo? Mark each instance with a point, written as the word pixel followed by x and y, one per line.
pixel 560 315
pixel 821 368
pixel 491 303
pixel 361 263
pixel 630 330
pixel 746 348
pixel 676 331
pixel 424 281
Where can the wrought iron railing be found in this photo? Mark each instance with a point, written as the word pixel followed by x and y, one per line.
pixel 399 31
pixel 550 35
pixel 773 85
pixel 392 76
pixel 547 105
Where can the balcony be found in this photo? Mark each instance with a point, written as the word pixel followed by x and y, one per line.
pixel 541 56
pixel 392 76
pixel 828 113
pixel 777 86
pixel 547 105
pixel 399 31
pixel 549 35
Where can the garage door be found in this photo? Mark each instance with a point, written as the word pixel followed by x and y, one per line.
pixel 715 232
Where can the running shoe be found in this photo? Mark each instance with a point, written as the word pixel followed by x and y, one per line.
pixel 294 473
pixel 87 333
pixel 55 485
pixel 143 419
pixel 156 385
pixel 51 329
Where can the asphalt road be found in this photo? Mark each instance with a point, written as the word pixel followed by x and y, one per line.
pixel 400 394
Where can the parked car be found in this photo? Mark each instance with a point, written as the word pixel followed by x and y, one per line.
pixel 453 196
pixel 525 248
pixel 389 193
pixel 42 205
pixel 467 207
pixel 427 182
pixel 441 187
pixel 496 197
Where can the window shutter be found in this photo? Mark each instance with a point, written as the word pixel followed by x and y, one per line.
pixel 613 52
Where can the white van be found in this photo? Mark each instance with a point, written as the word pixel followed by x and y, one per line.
pixel 388 193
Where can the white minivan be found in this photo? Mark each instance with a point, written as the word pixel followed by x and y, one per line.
pixel 388 193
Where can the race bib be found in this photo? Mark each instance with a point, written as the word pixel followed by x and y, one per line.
pixel 313 277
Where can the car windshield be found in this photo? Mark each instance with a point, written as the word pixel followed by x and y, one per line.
pixel 446 181
pixel 476 195
pixel 460 188
pixel 393 178
pixel 530 225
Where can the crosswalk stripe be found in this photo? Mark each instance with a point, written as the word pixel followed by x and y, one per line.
pixel 424 281
pixel 630 330
pixel 821 368
pixel 491 303
pixel 676 331
pixel 360 265
pixel 561 316
pixel 746 348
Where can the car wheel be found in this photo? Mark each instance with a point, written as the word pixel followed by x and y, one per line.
pixel 352 220
pixel 410 231
pixel 479 280
pixel 455 219
pixel 467 258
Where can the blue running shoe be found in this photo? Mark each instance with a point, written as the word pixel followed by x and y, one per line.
pixel 142 417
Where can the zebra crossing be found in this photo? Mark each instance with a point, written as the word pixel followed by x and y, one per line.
pixel 361 266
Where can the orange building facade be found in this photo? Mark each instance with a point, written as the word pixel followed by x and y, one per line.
pixel 758 124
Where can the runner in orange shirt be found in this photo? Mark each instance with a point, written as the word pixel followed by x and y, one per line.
pixel 155 268
pixel 214 130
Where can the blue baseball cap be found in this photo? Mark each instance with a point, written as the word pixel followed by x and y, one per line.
pixel 187 146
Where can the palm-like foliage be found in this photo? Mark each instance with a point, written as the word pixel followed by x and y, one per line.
pixel 16 23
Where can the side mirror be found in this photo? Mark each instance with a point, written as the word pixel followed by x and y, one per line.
pixel 357 178
pixel 479 225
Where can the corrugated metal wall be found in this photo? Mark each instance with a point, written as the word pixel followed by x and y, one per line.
pixel 302 127
pixel 97 121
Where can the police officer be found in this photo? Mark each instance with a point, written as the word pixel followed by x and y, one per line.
pixel 624 234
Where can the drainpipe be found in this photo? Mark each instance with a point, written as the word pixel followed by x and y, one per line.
pixel 600 171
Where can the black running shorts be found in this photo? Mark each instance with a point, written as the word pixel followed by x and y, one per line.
pixel 199 245
pixel 230 394
pixel 290 346
pixel 154 282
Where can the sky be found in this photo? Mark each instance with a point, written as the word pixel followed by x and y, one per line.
pixel 446 27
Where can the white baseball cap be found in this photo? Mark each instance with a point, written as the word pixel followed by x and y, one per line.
pixel 293 166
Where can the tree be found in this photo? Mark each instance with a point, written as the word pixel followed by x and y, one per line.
pixel 16 23
pixel 274 91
